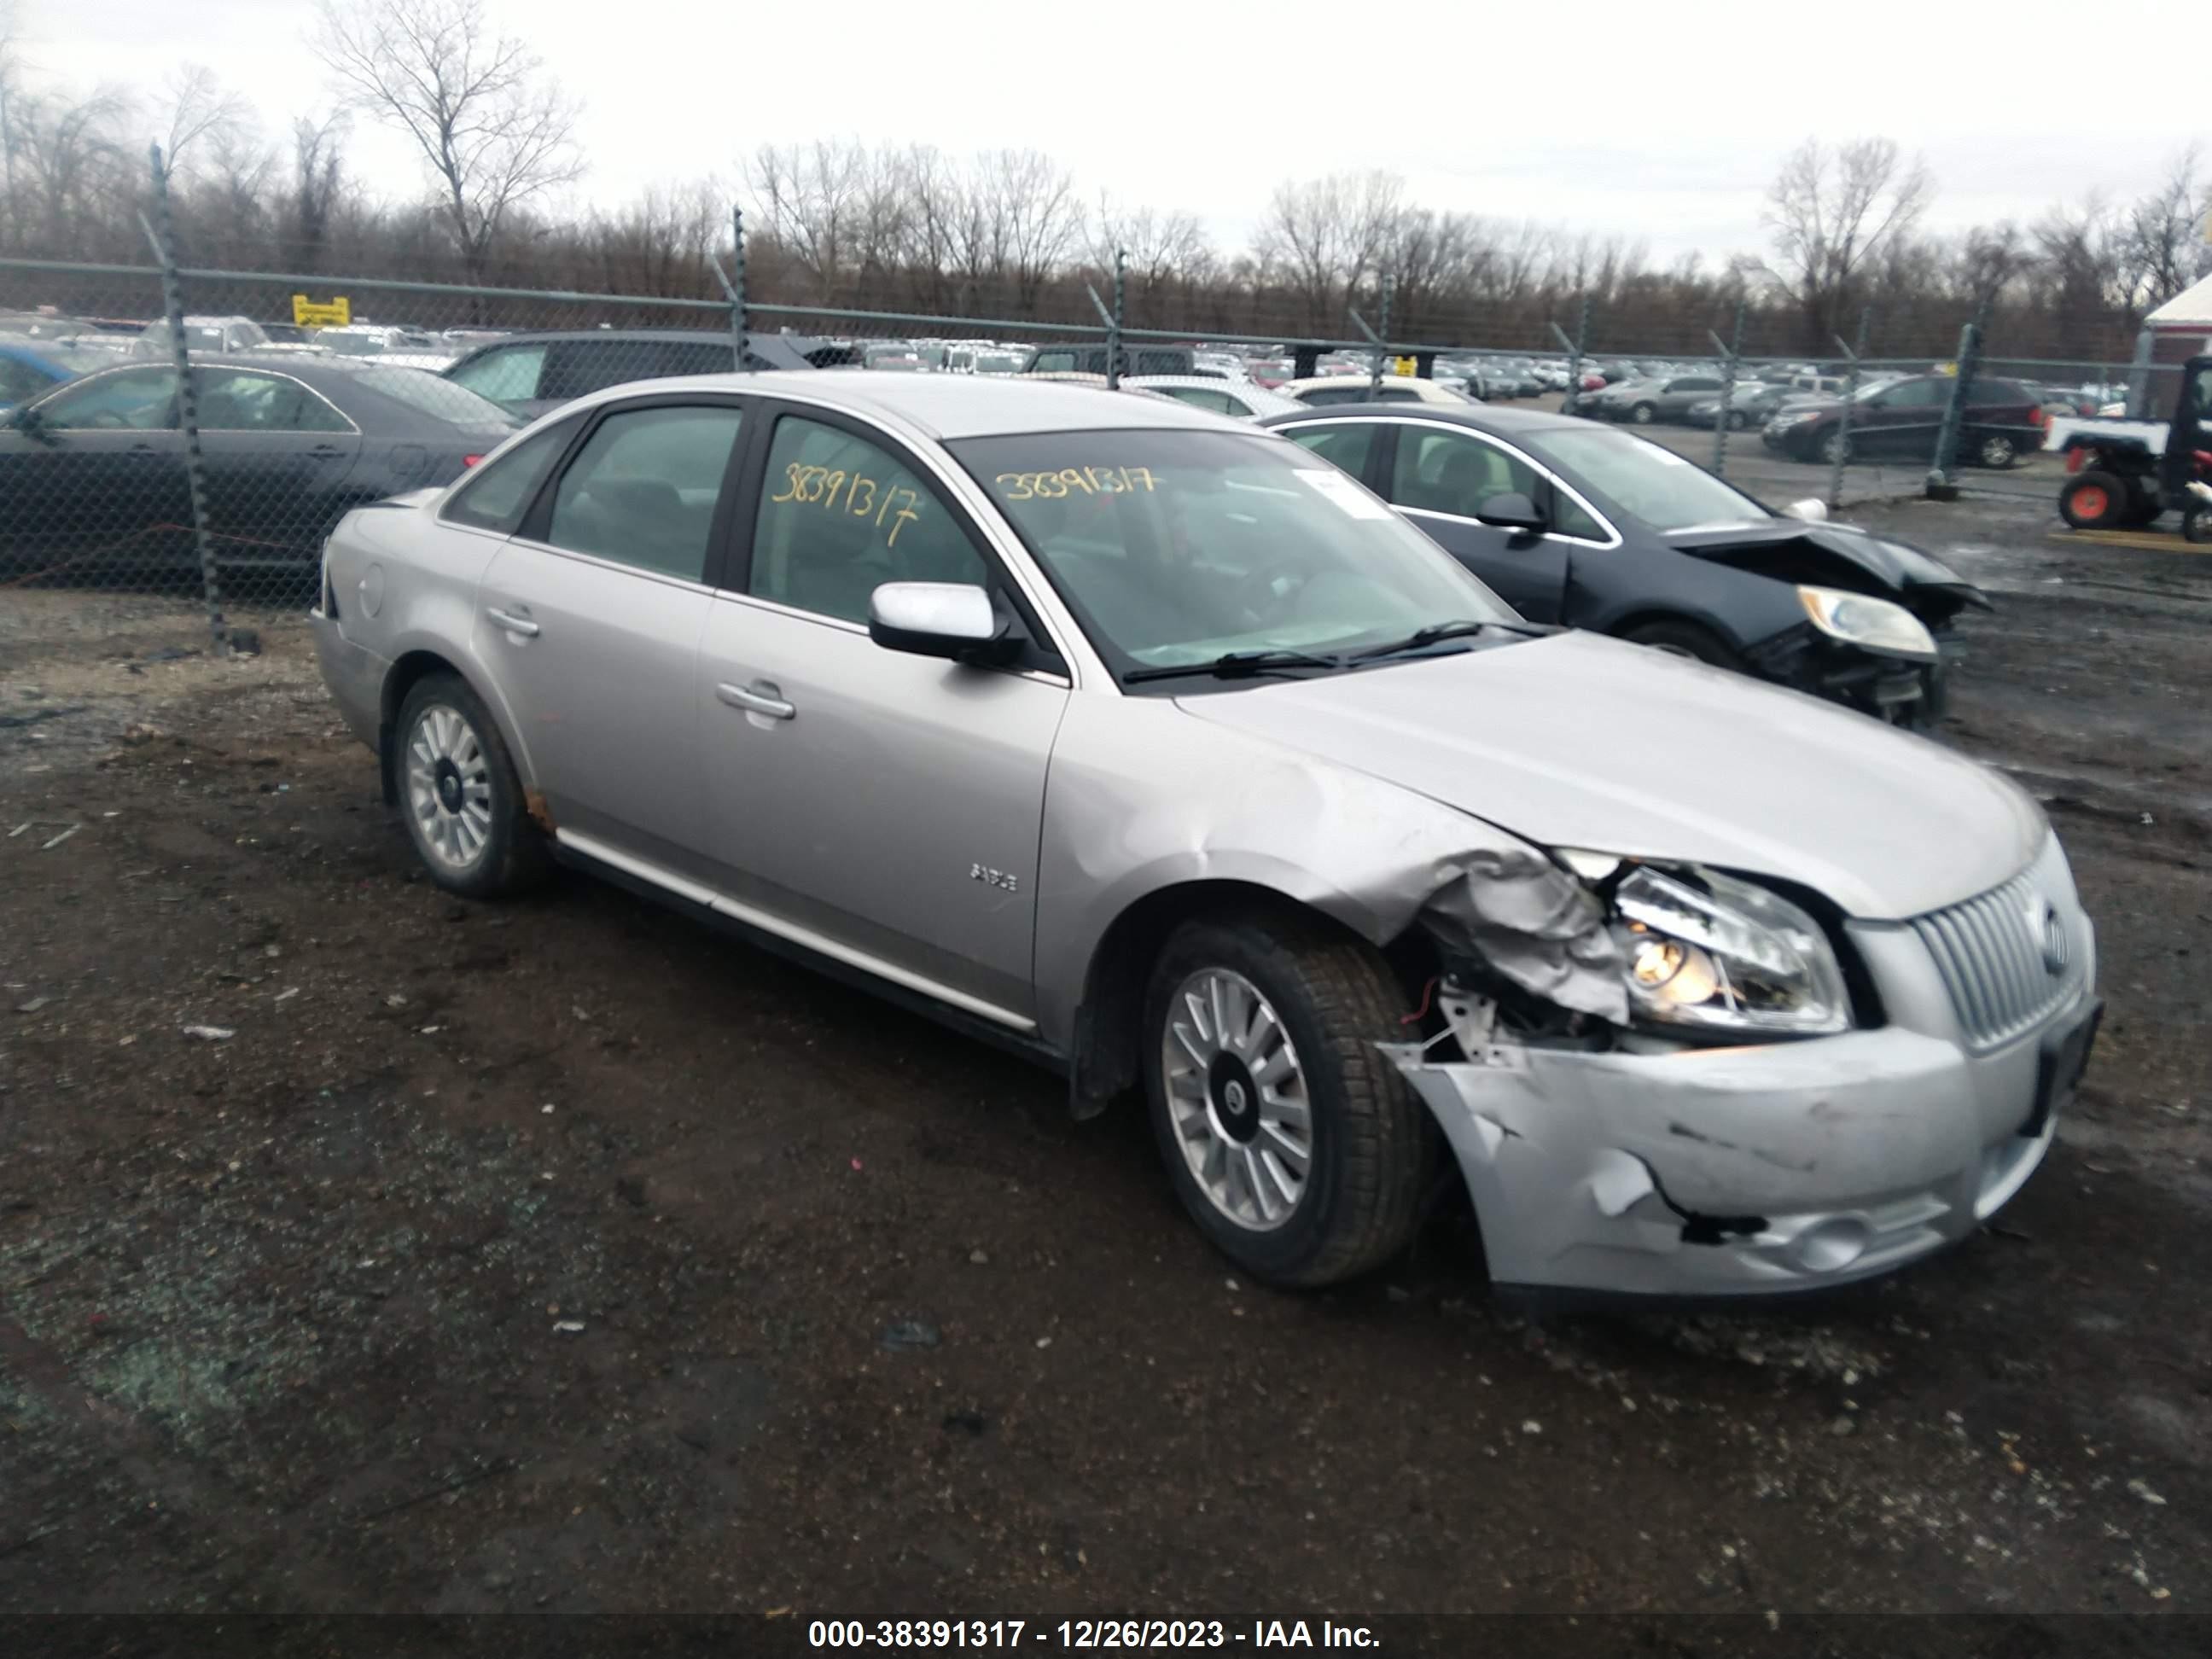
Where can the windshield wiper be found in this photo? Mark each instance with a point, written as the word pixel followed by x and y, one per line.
pixel 1235 664
pixel 1430 635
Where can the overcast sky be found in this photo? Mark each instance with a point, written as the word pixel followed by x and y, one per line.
pixel 1664 120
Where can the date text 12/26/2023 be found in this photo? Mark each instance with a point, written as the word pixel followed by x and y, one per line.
pixel 1087 1633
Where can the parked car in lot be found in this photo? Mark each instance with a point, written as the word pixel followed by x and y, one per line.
pixel 530 375
pixel 1091 360
pixel 1748 405
pixel 410 346
pixel 1151 748
pixel 1601 529
pixel 212 334
pixel 27 369
pixel 1324 390
pixel 2001 420
pixel 1242 398
pixel 92 472
pixel 1667 400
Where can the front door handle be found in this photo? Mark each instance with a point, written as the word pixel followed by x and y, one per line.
pixel 756 702
pixel 513 623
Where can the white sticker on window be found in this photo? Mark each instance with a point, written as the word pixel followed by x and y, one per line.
pixel 1349 496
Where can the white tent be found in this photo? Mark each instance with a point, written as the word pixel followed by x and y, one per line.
pixel 2189 309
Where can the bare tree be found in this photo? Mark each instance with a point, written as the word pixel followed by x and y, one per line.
pixel 1035 219
pixel 318 170
pixel 1327 236
pixel 2160 243
pixel 71 168
pixel 495 133
pixel 1831 210
pixel 201 116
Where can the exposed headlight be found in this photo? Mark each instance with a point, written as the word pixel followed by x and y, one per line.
pixel 1875 624
pixel 1795 419
pixel 1705 951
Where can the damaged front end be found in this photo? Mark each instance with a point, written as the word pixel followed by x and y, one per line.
pixel 1879 614
pixel 1665 1082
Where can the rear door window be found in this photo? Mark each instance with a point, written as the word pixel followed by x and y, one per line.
pixel 1347 446
pixel 1454 472
pixel 643 489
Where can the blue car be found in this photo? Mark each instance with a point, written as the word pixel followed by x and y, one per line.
pixel 26 370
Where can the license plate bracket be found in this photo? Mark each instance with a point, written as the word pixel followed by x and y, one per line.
pixel 2061 1062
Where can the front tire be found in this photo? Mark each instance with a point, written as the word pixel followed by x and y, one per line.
pixel 1644 414
pixel 1738 420
pixel 2093 500
pixel 459 794
pixel 1686 639
pixel 1292 1141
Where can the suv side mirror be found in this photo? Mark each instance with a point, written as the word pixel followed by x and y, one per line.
pixel 952 620
pixel 1511 511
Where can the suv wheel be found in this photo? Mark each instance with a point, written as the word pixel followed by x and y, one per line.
pixel 1292 1141
pixel 1997 451
pixel 459 794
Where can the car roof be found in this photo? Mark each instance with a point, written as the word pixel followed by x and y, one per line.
pixel 948 406
pixel 1481 417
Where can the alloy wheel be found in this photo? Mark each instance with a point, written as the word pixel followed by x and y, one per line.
pixel 1236 1095
pixel 448 787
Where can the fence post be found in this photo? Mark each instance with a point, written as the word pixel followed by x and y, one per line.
pixel 738 282
pixel 1574 355
pixel 188 402
pixel 1375 374
pixel 1121 314
pixel 1852 352
pixel 2139 407
pixel 1940 486
pixel 1729 353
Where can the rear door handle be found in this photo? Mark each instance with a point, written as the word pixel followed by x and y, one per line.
pixel 324 452
pixel 513 623
pixel 756 702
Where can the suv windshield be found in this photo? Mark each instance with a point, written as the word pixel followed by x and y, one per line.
pixel 1654 484
pixel 1178 547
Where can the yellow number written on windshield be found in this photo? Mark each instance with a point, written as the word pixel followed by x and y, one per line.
pixel 1091 480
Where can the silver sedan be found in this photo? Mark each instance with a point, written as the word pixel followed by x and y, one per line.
pixel 1156 748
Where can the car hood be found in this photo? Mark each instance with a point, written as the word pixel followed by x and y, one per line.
pixel 1806 546
pixel 1577 740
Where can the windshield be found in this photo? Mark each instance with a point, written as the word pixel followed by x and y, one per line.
pixel 1654 484
pixel 449 400
pixel 1180 546
pixel 351 345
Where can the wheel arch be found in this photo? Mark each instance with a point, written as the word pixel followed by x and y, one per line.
pixel 408 670
pixel 1108 1039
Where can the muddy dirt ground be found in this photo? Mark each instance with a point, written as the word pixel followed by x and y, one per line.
pixel 559 1256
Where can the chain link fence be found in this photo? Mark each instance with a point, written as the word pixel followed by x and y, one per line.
pixel 200 431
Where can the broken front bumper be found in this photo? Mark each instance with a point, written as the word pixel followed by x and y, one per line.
pixel 1745 1170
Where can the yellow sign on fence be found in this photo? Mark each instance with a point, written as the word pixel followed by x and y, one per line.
pixel 307 314
pixel 1403 366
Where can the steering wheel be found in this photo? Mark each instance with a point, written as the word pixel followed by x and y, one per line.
pixel 1256 593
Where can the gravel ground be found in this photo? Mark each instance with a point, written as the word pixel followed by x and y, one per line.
pixel 561 1256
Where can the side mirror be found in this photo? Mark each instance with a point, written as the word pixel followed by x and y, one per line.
pixel 1812 510
pixel 1511 511
pixel 952 620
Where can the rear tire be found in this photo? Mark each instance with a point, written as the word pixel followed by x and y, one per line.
pixel 1997 451
pixel 1643 414
pixel 2094 501
pixel 460 796
pixel 1836 448
pixel 1313 1003
pixel 1738 420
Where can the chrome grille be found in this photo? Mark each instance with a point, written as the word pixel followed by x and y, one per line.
pixel 2008 957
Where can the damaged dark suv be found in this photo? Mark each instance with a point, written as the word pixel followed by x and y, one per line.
pixel 1597 528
